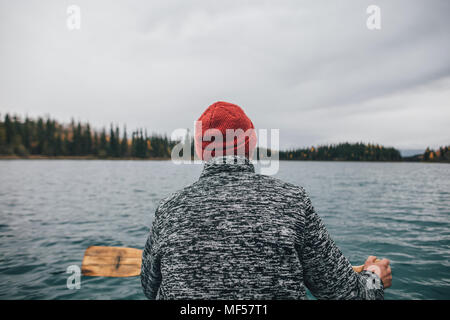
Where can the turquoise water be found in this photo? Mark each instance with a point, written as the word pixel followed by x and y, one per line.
pixel 52 210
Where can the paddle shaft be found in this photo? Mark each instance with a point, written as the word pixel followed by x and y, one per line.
pixel 104 261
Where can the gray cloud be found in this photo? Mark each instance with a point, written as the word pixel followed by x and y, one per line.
pixel 310 68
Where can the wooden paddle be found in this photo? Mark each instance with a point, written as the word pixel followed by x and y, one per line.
pixel 119 262
pixel 111 262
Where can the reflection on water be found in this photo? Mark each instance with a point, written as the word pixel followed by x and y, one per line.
pixel 52 210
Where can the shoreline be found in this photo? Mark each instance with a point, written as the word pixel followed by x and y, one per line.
pixel 40 157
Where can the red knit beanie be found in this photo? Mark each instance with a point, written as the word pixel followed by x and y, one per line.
pixel 221 116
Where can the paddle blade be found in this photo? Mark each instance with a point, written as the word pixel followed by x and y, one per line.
pixel 111 262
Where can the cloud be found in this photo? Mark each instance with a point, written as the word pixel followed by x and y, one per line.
pixel 311 69
pixel 408 119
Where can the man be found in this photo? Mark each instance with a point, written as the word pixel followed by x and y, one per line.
pixel 235 234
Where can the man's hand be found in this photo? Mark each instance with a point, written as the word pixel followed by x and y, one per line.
pixel 381 268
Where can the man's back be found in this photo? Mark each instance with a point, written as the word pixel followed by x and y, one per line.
pixel 235 234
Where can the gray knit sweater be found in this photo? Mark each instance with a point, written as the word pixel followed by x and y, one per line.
pixel 235 234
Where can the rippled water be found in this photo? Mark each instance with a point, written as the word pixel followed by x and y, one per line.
pixel 52 210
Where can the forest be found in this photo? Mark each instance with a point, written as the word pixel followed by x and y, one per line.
pixel 45 137
pixel 344 152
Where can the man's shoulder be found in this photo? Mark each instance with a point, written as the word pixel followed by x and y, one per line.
pixel 263 183
pixel 286 187
pixel 173 199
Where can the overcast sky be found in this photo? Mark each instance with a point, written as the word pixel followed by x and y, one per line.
pixel 309 68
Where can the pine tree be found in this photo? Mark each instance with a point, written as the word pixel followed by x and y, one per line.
pixel 124 144
pixel 103 149
pixel 95 144
pixel 87 140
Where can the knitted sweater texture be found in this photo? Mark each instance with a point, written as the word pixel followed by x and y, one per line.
pixel 235 234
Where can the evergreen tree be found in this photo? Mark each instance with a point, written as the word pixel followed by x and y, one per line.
pixel 95 144
pixel 103 149
pixel 9 130
pixel 124 144
pixel 87 140
pixel 113 143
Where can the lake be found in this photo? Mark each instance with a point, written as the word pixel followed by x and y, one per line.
pixel 52 210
